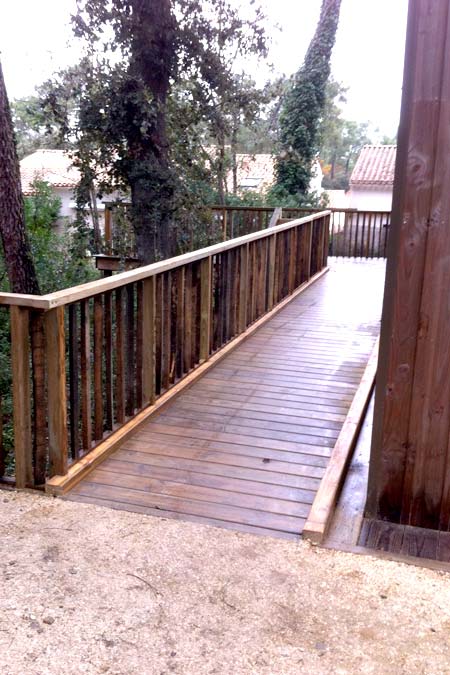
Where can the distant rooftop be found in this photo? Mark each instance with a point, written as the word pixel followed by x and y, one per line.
pixel 52 166
pixel 375 166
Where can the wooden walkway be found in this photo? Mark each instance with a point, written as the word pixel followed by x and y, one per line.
pixel 246 446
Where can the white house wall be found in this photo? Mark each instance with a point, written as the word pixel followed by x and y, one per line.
pixel 369 199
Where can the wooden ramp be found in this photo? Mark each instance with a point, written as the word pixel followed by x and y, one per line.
pixel 247 445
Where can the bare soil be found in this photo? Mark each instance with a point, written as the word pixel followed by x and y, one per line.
pixel 89 590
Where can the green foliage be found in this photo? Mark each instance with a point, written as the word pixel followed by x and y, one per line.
pixel 302 111
pixel 341 140
pixel 144 115
pixel 31 126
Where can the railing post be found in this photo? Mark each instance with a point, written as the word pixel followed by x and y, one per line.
pixel 56 386
pixel 108 229
pixel 224 233
pixel 271 271
pixel 20 358
pixel 148 332
pixel 327 222
pixel 205 307
pixel 243 287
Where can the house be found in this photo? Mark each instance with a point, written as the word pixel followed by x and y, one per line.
pixel 257 173
pixel 55 168
pixel 372 179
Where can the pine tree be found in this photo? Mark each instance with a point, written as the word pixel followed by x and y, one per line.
pixel 18 258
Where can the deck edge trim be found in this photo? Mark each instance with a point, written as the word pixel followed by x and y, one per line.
pixel 322 509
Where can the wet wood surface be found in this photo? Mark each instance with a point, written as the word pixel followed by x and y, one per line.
pixel 246 446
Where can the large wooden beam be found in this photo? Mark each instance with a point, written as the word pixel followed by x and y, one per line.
pixel 409 478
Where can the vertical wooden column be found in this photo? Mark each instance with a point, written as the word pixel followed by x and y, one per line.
pixel 148 335
pixel 243 287
pixel 20 358
pixel 409 479
pixel 108 229
pixel 205 307
pixel 271 271
pixel 56 395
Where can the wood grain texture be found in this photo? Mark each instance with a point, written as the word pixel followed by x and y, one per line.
pixel 20 362
pixel 56 391
pixel 409 476
pixel 247 444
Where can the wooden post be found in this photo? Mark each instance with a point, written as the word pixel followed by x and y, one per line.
pixel 205 308
pixel 224 225
pixel 271 271
pixel 56 385
pixel 20 359
pixel 148 335
pixel 108 229
pixel 409 479
pixel 243 287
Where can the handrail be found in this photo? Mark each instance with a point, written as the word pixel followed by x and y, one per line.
pixel 82 291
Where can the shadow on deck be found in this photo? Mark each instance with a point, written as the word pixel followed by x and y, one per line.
pixel 247 445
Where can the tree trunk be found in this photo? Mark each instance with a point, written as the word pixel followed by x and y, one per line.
pixel 18 258
pixel 153 59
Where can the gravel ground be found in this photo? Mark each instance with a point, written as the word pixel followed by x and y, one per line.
pixel 91 590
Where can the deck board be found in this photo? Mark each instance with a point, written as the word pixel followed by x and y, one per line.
pixel 245 447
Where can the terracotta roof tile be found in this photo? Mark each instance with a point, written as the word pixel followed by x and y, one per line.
pixel 52 166
pixel 375 166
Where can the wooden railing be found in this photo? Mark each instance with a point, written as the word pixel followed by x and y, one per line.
pixel 86 360
pixel 353 233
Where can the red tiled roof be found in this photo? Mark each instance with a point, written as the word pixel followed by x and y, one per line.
pixel 52 166
pixel 256 171
pixel 375 166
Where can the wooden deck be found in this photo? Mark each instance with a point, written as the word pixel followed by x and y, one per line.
pixel 246 446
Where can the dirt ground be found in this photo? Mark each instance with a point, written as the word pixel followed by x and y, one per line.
pixel 91 590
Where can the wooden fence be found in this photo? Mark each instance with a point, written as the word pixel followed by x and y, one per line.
pixel 87 360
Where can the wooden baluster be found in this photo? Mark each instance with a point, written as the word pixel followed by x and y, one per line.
pixel 292 249
pixel 158 332
pixel 129 342
pixel 20 361
pixel 187 356
pixel 39 400
pixel 243 287
pixel 85 367
pixel 179 341
pixel 98 370
pixel 73 382
pixel 271 271
pixel 228 281
pixel 120 359
pixel 109 401
pixel 196 303
pixel 327 240
pixel 165 343
pixel 139 345
pixel 205 308
pixel 235 293
pixel 148 334
pixel 56 391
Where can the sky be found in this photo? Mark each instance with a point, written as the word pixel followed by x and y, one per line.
pixel 35 40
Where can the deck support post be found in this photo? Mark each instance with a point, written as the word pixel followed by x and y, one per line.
pixel 56 386
pixel 409 480
pixel 205 308
pixel 20 358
